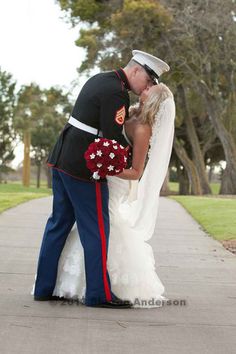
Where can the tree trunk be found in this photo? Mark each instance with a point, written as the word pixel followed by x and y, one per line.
pixel 226 182
pixel 165 190
pixel 227 142
pixel 193 139
pixel 26 162
pixel 38 174
pixel 210 173
pixel 183 182
pixel 190 168
pixel 49 176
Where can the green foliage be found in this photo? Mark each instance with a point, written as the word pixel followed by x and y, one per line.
pixel 116 27
pixel 51 119
pixel 90 40
pixel 146 20
pixel 43 113
pixel 7 104
pixel 85 10
pixel 27 111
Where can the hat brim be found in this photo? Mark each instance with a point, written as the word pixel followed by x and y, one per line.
pixel 151 73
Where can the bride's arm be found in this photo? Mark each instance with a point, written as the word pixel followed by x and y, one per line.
pixel 140 149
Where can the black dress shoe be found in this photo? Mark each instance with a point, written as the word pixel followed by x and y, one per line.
pixel 48 298
pixel 114 304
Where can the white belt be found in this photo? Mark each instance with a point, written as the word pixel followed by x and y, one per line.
pixel 84 127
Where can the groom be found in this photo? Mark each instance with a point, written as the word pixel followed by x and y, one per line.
pixel 100 110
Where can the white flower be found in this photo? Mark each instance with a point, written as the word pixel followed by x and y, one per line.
pixel 117 171
pixel 112 155
pixel 110 168
pixel 125 158
pixel 106 143
pixel 99 165
pixel 96 175
pixel 115 147
pixel 122 147
pixel 97 140
pixel 99 153
pixel 92 156
pixel 114 141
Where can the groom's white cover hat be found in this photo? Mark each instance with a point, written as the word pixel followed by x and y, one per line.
pixel 154 66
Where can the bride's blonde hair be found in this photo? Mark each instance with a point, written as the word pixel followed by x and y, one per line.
pixel 152 103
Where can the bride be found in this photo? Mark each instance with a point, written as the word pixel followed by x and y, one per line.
pixel 133 205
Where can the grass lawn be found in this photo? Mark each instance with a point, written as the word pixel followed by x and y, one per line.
pixel 174 187
pixel 12 194
pixel 217 215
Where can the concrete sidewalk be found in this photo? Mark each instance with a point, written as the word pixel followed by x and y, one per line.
pixel 192 266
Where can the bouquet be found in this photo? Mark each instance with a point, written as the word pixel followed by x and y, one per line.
pixel 105 157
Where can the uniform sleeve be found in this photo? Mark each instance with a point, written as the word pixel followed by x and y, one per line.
pixel 113 112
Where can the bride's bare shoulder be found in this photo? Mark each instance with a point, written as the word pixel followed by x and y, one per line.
pixel 143 129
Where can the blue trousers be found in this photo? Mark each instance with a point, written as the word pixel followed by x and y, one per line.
pixel 85 203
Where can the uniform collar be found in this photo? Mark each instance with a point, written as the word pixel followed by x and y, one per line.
pixel 123 77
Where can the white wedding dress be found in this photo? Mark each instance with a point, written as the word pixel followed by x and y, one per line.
pixel 133 209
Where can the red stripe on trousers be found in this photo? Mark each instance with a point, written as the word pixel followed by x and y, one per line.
pixel 103 240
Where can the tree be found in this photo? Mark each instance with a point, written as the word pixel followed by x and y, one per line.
pixel 202 44
pixel 7 134
pixel 115 27
pixel 186 101
pixel 39 117
pixel 51 119
pixel 28 105
pixel 197 39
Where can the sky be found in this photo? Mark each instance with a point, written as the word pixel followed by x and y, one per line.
pixel 36 44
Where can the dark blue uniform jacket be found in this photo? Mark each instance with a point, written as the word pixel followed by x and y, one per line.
pixel 103 104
